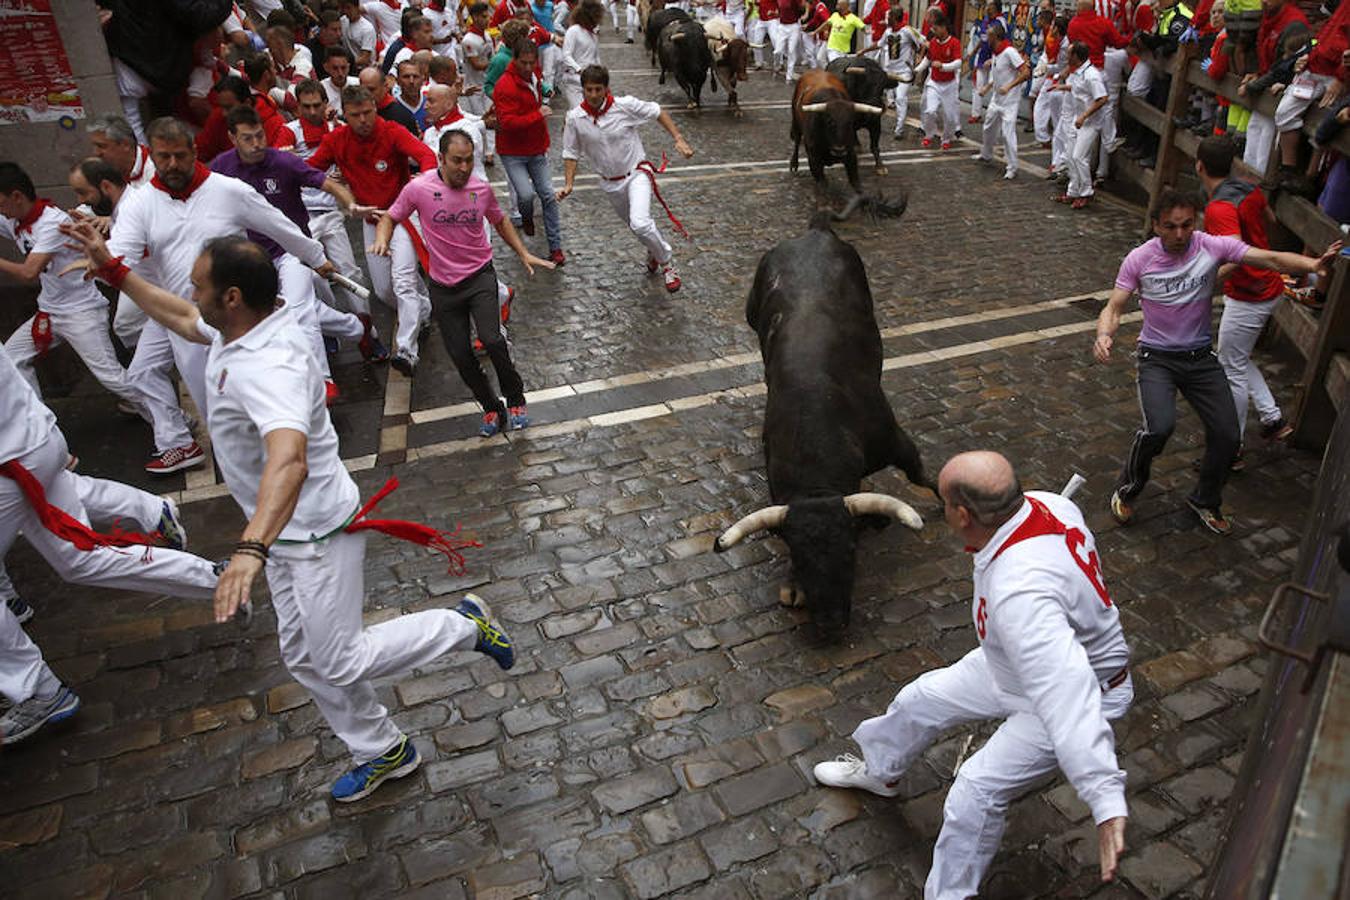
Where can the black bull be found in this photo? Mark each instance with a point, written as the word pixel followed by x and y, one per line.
pixel 866 82
pixel 683 50
pixel 657 21
pixel 827 422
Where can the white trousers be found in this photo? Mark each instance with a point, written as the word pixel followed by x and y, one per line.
pixel 632 22
pixel 791 46
pixel 149 374
pixel 1001 120
pixel 633 203
pixel 1018 753
pixel 977 101
pixel 23 673
pixel 398 283
pixel 940 95
pixel 737 20
pixel 132 89
pixel 1061 145
pixel 86 330
pixel 317 592
pixel 1108 136
pixel 613 6
pixel 1046 108
pixel 128 321
pixel 1289 111
pixel 1239 329
pixel 757 34
pixel 1261 133
pixel 329 227
pixel 901 105
pixel 1080 160
pixel 296 286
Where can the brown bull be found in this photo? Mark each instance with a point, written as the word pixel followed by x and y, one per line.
pixel 822 118
pixel 731 56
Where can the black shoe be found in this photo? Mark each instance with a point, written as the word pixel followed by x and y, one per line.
pixel 1279 430
pixel 402 364
pixel 527 226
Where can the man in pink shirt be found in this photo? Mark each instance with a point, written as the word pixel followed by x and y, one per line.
pixel 452 204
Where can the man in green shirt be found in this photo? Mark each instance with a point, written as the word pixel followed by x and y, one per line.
pixel 840 27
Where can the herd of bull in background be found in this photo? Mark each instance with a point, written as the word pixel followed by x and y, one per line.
pixel 828 107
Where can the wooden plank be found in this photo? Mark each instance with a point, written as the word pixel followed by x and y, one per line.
pixel 1142 112
pixel 1299 325
pixel 1301 216
pixel 1338 383
pixel 1315 413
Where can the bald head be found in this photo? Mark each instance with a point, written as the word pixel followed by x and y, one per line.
pixel 372 79
pixel 441 98
pixel 984 485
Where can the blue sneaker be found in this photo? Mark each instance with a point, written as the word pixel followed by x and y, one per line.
pixel 492 423
pixel 22 611
pixel 171 527
pixel 24 718
pixel 492 640
pixel 519 417
pixel 365 778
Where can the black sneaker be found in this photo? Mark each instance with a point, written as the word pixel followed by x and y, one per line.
pixel 1279 430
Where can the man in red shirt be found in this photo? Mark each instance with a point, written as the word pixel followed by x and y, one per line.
pixel 1272 37
pixel 373 155
pixel 939 92
pixel 262 77
pixel 768 14
pixel 214 138
pixel 790 27
pixel 1238 208
pixel 1094 30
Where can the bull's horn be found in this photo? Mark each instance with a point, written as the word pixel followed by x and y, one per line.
pixel 768 517
pixel 883 505
pixel 870 110
pixel 759 46
pixel 677 37
pixel 855 70
pixel 814 107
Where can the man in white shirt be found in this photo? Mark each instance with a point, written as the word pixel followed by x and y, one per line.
pixel 113 140
pixel 358 35
pixel 69 309
pixel 1052 662
pixel 899 45
pixel 1084 112
pixel 337 64
pixel 278 454
pixel 185 206
pixel 42 498
pixel 605 129
pixel 1006 73
pixel 387 16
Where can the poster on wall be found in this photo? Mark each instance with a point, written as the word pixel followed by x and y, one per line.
pixel 36 84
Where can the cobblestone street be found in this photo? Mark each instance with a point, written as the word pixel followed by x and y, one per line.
pixel 657 734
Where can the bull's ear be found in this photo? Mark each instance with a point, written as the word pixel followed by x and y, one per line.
pixel 872 521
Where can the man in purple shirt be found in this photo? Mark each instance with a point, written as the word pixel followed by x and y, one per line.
pixel 279 177
pixel 452 204
pixel 1174 275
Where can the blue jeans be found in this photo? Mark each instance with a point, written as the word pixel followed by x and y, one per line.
pixel 530 177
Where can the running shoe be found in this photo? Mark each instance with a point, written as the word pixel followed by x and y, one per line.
pixel 946 145
pixel 24 718
pixel 403 364
pixel 19 606
pixel 557 256
pixel 671 279
pixel 492 640
pixel 1279 430
pixel 365 778
pixel 926 143
pixel 847 771
pixel 1121 510
pixel 518 417
pixel 371 347
pixel 492 424
pixel 1213 519
pixel 171 527
pixel 176 459
pixel 506 307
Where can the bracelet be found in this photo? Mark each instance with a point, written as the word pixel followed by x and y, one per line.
pixel 249 551
pixel 113 272
pixel 257 548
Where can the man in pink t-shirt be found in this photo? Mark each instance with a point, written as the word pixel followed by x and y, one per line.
pixel 1174 274
pixel 452 205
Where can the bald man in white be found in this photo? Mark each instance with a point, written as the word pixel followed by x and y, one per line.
pixel 1052 662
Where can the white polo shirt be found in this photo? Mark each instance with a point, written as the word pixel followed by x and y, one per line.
pixel 387 19
pixel 174 231
pixel 611 142
pixel 1086 86
pixel 1003 70
pixel 28 423
pixel 59 294
pixel 143 169
pixel 263 381
pixel 358 36
pixel 334 92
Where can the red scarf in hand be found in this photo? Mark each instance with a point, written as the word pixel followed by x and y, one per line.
pixel 199 173
pixel 594 113
pixel 26 223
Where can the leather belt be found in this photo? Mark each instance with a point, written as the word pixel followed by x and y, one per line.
pixel 618 177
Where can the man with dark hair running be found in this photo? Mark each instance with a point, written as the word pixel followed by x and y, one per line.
pixel 1173 274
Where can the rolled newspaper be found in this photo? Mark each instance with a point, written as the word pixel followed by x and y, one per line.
pixel 1075 482
pixel 357 289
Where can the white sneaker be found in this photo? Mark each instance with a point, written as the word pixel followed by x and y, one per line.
pixel 847 771
pixel 1009 176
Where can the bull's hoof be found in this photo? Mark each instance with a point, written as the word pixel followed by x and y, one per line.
pixel 691 105
pixel 881 170
pixel 789 596
pixel 736 111
pixel 792 167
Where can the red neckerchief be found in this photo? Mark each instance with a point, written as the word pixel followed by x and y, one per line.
pixel 26 223
pixel 388 98
pixel 474 29
pixel 437 5
pixel 199 173
pixel 313 134
pixel 594 113
pixel 143 153
pixel 449 118
pixel 395 5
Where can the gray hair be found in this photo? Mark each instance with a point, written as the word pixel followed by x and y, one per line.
pixel 167 128
pixel 989 509
pixel 114 126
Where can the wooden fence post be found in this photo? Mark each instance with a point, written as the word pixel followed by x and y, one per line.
pixel 1315 410
pixel 1169 155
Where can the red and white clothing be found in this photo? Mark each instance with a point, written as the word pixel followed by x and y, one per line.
pixel 443 27
pixel 142 170
pixel 386 15
pixel 70 309
pixel 171 231
pixel 940 90
pixel 458 120
pixel 262 382
pixel 334 93
pixel 376 168
pixel 1051 662
pixel 610 141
